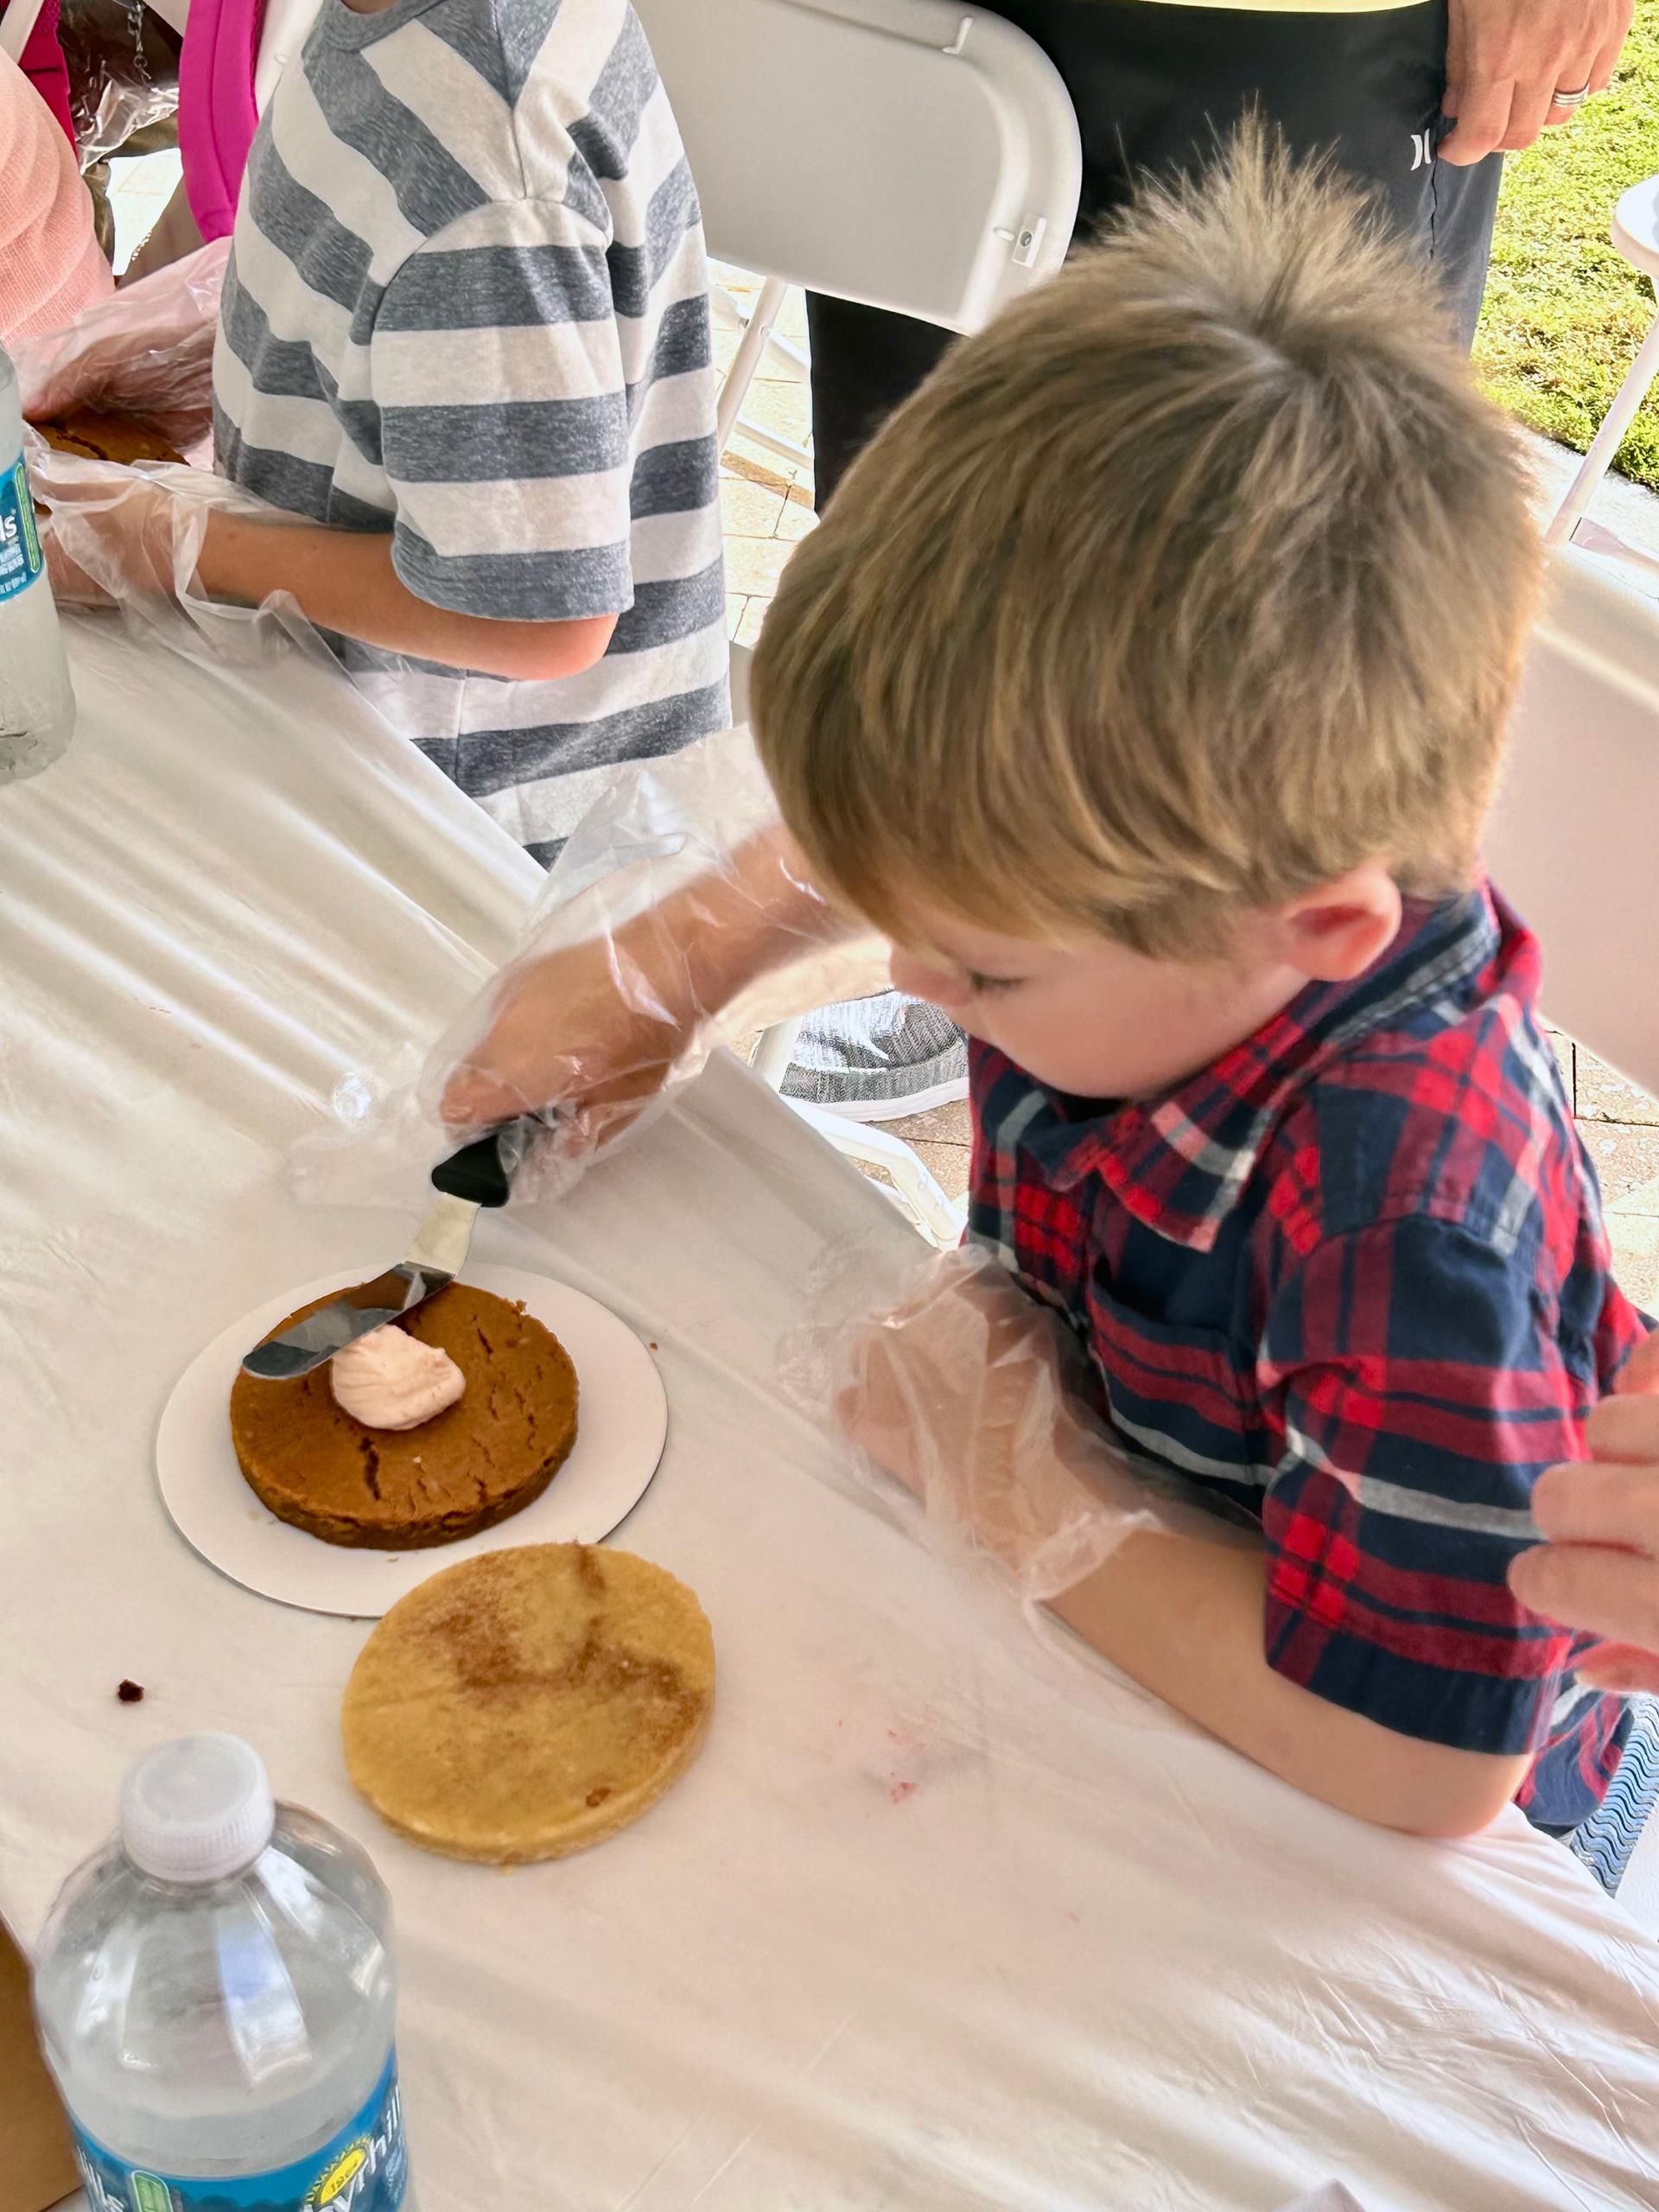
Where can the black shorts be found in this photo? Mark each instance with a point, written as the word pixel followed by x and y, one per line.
pixel 1152 84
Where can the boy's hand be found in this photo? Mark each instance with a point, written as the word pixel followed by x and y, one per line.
pixel 962 1391
pixel 596 1027
pixel 580 1029
pixel 1599 1570
pixel 113 535
pixel 1506 60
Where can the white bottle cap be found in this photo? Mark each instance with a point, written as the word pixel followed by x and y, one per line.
pixel 199 1809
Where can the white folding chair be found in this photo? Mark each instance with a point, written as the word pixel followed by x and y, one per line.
pixel 1635 234
pixel 284 29
pixel 1572 841
pixel 906 154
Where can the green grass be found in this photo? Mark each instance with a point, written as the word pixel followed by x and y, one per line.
pixel 1564 313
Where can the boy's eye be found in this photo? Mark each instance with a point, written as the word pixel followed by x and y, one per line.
pixel 987 986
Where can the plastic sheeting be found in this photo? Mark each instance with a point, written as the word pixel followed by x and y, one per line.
pixel 917 1931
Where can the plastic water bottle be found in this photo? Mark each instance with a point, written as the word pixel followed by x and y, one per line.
pixel 215 1992
pixel 37 708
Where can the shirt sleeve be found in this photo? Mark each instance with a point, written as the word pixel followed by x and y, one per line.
pixel 1422 1388
pixel 500 412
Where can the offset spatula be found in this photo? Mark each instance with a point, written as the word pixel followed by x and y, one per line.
pixel 481 1174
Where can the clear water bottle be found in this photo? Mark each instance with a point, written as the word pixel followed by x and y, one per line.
pixel 37 708
pixel 215 1992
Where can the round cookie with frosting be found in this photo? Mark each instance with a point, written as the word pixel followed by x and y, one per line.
pixel 441 1424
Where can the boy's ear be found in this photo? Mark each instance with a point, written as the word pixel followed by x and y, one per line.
pixel 1335 933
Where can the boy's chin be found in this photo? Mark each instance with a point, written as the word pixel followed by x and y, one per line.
pixel 1114 1080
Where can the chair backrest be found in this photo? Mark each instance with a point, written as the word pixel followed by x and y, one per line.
pixel 1572 842
pixel 282 32
pixel 908 153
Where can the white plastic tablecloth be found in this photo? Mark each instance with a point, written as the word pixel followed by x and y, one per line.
pixel 920 1931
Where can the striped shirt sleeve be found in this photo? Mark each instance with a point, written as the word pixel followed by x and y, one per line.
pixel 496 368
pixel 1422 1391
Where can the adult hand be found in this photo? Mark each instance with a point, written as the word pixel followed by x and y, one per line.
pixel 1506 60
pixel 1599 1570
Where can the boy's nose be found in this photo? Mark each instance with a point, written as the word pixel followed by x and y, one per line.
pixel 918 979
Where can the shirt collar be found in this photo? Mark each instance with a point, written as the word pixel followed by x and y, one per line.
pixel 1180 1162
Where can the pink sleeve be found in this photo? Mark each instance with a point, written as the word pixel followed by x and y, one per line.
pixel 50 266
pixel 45 67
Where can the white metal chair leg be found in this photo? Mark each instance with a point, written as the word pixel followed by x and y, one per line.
pixel 939 1221
pixel 775 1050
pixel 745 362
pixel 789 449
pixel 758 339
pixel 788 357
pixel 1607 441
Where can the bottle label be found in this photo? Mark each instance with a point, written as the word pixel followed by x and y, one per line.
pixel 20 559
pixel 365 2169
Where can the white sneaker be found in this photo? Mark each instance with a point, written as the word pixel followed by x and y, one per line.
pixel 879 1060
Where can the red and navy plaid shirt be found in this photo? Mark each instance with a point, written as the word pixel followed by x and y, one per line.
pixel 1353 1277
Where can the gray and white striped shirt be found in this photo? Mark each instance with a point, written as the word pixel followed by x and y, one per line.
pixel 468 304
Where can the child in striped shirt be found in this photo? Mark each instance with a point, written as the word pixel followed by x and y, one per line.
pixel 465 340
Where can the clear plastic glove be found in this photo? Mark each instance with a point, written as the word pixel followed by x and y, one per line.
pixel 955 1382
pixel 131 538
pixel 146 352
pixel 1598 1571
pixel 677 915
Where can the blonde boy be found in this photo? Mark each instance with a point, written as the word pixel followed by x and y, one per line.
pixel 1147 684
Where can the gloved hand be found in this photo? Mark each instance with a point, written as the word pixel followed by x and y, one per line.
pixel 1599 1569
pixel 115 536
pixel 678 914
pixel 679 911
pixel 131 538
pixel 147 352
pixel 950 1379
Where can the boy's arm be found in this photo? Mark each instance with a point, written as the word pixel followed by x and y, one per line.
pixel 594 1027
pixel 1185 1617
pixel 344 579
pixel 1371 1655
pixel 502 408
pixel 116 533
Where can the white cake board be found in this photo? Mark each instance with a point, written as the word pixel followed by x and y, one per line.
pixel 621 1427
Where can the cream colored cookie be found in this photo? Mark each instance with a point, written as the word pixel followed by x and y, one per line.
pixel 530 1702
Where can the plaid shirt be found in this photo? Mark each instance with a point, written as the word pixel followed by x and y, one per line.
pixel 1353 1277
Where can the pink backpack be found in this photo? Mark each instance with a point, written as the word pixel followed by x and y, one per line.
pixel 217 115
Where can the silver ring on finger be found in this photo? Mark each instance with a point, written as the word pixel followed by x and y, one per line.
pixel 1571 99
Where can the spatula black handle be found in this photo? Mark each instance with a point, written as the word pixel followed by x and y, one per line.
pixel 482 1172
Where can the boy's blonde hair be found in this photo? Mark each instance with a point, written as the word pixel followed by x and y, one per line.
pixel 1200 578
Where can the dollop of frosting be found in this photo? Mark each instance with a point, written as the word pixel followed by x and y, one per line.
pixel 390 1380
